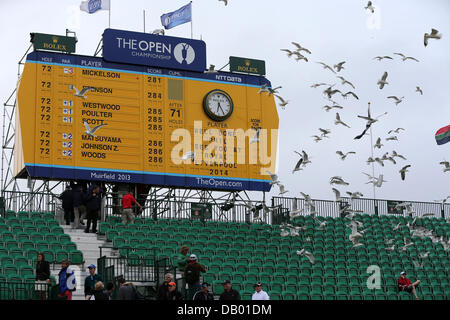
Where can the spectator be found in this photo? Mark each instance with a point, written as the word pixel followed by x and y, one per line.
pixel 127 291
pixel 404 284
pixel 79 207
pixel 67 204
pixel 42 276
pixel 127 212
pixel 203 294
pixel 229 293
pixel 109 290
pixel 98 293
pixel 93 204
pixel 260 294
pixel 91 280
pixel 192 276
pixel 182 259
pixel 66 280
pixel 164 288
pixel 173 294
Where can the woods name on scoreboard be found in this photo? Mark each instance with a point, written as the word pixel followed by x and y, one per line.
pixel 84 118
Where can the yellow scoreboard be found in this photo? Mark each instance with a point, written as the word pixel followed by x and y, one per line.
pixel 82 118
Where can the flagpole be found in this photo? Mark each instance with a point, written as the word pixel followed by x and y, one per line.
pixel 373 165
pixel 144 21
pixel 109 20
pixel 192 33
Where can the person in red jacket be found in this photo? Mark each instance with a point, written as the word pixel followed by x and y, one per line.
pixel 404 284
pixel 127 212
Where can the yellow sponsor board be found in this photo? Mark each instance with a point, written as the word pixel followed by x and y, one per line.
pixel 84 118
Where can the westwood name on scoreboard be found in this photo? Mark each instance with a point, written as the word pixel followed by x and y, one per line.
pixel 161 120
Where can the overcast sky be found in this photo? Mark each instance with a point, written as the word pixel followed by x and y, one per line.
pixel 334 31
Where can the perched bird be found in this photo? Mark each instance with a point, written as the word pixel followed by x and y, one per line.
pixel 224 1
pixel 395 154
pixel 370 7
pixel 443 200
pixel 91 132
pixel 404 58
pixel 446 165
pixel 339 66
pixel 350 93
pixel 339 121
pixel 396 130
pixel 343 156
pixel 211 69
pixel 379 58
pixel 397 100
pixel 433 35
pixel 383 81
pixel 158 31
pixel 307 254
pixel 344 81
pixel 283 102
pixel 378 144
pixel 325 66
pixel 419 90
pixel 300 48
pixel 403 171
pixel 328 108
pixel 256 136
pixel 81 93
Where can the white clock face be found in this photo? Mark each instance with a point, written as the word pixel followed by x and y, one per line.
pixel 219 104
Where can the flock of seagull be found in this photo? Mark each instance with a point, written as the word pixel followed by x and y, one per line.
pixel 300 53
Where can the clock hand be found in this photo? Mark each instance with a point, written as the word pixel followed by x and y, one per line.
pixel 223 112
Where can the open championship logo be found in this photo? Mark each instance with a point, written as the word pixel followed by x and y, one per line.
pixel 184 53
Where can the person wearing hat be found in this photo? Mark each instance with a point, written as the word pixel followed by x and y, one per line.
pixel 404 284
pixel 172 293
pixel 203 294
pixel 164 288
pixel 260 294
pixel 192 276
pixel 91 280
pixel 229 293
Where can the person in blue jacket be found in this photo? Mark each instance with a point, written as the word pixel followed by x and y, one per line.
pixel 66 280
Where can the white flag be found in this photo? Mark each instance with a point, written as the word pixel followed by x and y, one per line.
pixel 92 6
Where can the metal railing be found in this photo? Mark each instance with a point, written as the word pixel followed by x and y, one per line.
pixel 24 290
pixel 327 208
pixel 29 201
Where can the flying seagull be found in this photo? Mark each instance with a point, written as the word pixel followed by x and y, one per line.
pixel 256 136
pixel 379 58
pixel 330 92
pixel 324 132
pixel 383 81
pixel 338 180
pixel 300 56
pixel 224 1
pixel 272 90
pixel 396 130
pixel 325 66
pixel 282 190
pixel 446 165
pixel 307 254
pixel 404 58
pixel 339 121
pixel 397 100
pixel 350 93
pixel 344 81
pixel 300 48
pixel 395 154
pixel 188 155
pixel 339 66
pixel 298 165
pixel 386 157
pixel 433 35
pixel 91 132
pixel 328 108
pixel 283 102
pixel 354 195
pixel 343 156
pixel 315 85
pixel 364 132
pixel 370 7
pixel 403 171
pixel 304 156
pixel 273 177
pixel 288 52
pixel 377 182
pixel 316 138
pixel 392 138
pixel 378 144
pixel 263 88
pixel 418 89
pixel 211 69
pixel 337 194
pixel 82 92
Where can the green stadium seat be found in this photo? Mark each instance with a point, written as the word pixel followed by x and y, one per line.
pixel 76 257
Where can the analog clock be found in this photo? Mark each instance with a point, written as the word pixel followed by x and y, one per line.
pixel 218 105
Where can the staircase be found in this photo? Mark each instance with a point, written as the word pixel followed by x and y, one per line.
pixel 89 245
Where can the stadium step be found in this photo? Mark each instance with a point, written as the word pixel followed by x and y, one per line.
pixel 89 244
